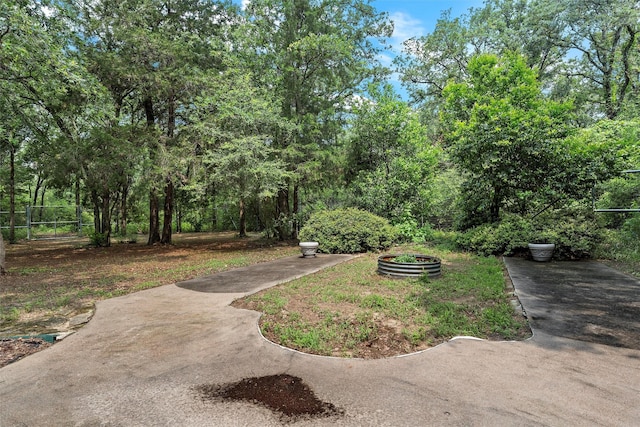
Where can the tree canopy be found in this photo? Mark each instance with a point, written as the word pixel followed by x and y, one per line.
pixel 160 116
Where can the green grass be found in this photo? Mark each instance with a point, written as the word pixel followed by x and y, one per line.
pixel 343 309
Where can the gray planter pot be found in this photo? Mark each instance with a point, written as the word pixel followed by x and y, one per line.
pixel 308 249
pixel 426 265
pixel 541 251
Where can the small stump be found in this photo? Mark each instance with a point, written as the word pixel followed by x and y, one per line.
pixel 308 249
pixel 424 264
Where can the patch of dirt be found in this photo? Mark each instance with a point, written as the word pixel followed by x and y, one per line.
pixel 284 394
pixel 12 350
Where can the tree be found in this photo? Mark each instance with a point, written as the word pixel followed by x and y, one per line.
pixel 44 84
pixel 430 62
pixel 314 56
pixel 2 256
pixel 238 123
pixel 602 36
pixel 151 54
pixel 389 160
pixel 504 135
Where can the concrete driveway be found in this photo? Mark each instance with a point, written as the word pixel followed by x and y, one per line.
pixel 139 359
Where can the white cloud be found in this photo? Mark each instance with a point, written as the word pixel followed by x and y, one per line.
pixel 405 27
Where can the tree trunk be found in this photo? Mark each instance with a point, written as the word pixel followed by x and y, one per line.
pixel 296 211
pixel 41 210
pixel 178 210
pixel 168 213
pixel 154 209
pixel 12 193
pixel 2 264
pixel 243 219
pixel 97 224
pixel 123 209
pixel 154 218
pixel 105 228
pixel 169 189
pixel 78 210
pixel 494 208
pixel 39 183
pixel 282 214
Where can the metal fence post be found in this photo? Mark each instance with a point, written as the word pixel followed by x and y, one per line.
pixel 28 222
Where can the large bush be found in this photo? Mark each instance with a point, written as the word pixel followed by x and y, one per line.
pixel 348 231
pixel 575 236
pixel 507 237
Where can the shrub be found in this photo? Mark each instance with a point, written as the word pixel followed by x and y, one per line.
pixel 509 236
pixel 98 239
pixel 348 231
pixel 623 245
pixel 575 237
pixel 410 231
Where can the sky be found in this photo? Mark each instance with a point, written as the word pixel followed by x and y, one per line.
pixel 415 18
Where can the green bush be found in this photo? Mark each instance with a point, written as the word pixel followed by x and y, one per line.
pixel 98 239
pixel 623 244
pixel 575 237
pixel 348 231
pixel 508 237
pixel 410 231
pixel 574 230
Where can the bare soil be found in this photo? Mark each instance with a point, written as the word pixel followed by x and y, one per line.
pixel 12 350
pixel 284 394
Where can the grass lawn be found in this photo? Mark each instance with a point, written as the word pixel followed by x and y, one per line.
pixel 351 311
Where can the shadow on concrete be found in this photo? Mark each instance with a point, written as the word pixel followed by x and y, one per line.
pixel 581 300
pixel 260 276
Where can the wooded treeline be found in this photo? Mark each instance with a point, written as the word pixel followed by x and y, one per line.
pixel 159 112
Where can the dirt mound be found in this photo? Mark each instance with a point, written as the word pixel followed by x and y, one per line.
pixel 284 394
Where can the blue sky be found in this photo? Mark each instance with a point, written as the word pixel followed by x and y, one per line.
pixel 415 18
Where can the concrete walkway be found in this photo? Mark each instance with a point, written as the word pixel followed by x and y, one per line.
pixel 138 360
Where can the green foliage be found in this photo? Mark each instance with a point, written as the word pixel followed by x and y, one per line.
pixel 99 239
pixel 410 231
pixel 406 258
pixel 623 245
pixel 348 231
pixel 509 236
pixel 503 134
pixel 575 236
pixel 390 163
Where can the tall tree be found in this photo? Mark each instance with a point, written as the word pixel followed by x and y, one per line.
pixel 150 54
pixel 504 135
pixel 315 56
pixel 390 161
pixel 432 61
pixel 237 126
pixel 42 80
pixel 602 38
